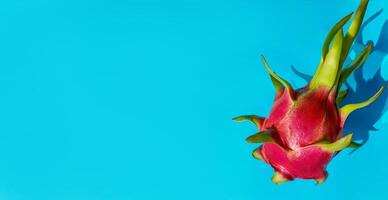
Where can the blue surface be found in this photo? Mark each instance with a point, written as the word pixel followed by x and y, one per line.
pixel 134 99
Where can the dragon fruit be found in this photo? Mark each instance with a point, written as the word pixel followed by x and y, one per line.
pixel 303 131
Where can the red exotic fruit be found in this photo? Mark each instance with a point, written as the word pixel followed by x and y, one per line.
pixel 303 131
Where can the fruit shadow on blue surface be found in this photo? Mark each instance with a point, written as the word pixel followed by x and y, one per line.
pixel 362 122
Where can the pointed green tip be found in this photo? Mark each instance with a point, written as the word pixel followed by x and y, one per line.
pixel 354 28
pixel 332 33
pixel 320 181
pixel 252 118
pixel 277 81
pixel 347 109
pixel 337 145
pixel 256 154
pixel 357 21
pixel 260 137
pixel 278 178
pixel 239 119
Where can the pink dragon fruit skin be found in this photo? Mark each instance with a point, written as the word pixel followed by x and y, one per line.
pixel 303 131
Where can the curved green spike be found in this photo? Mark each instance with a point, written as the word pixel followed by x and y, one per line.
pixel 258 121
pixel 278 178
pixel 256 154
pixel 337 145
pixel 326 74
pixel 278 82
pixel 332 33
pixel 347 109
pixel 356 63
pixel 320 181
pixel 260 137
pixel 354 28
pixel 341 96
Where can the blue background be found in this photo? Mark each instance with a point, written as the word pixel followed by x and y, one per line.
pixel 134 99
